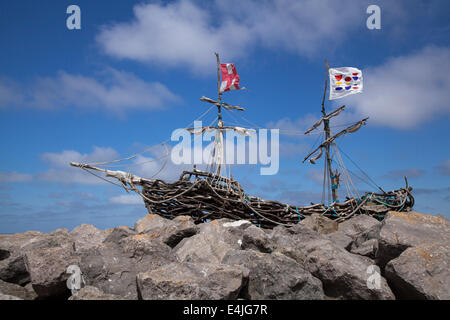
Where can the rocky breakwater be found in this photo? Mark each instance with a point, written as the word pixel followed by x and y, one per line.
pixel 406 256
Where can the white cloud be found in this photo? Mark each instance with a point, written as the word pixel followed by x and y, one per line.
pixel 14 176
pixel 410 173
pixel 61 171
pixel 294 127
pixel 186 33
pixel 315 175
pixel 444 167
pixel 142 165
pixel 174 34
pixel 100 154
pixel 293 149
pixel 127 199
pixel 402 93
pixel 9 93
pixel 120 91
pixel 406 91
pixel 115 91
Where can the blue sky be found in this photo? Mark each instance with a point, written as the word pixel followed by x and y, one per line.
pixel 136 69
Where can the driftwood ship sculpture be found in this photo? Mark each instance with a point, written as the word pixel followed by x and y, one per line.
pixel 208 195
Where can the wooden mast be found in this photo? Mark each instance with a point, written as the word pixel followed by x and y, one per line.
pixel 219 119
pixel 326 128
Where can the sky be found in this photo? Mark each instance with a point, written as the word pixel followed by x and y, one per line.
pixel 135 71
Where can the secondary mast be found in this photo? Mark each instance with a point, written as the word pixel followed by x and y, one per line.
pixel 326 145
pixel 326 127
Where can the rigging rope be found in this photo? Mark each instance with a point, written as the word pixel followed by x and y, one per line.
pixel 146 150
pixel 361 170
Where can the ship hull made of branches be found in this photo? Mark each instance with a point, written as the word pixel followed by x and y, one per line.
pixel 205 196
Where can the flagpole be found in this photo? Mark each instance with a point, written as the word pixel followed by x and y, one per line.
pixel 325 89
pixel 218 88
pixel 219 116
pixel 326 127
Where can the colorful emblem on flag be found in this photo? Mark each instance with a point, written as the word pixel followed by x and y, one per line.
pixel 345 81
pixel 230 77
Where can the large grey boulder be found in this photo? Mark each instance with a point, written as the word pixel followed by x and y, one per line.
pixel 118 233
pixel 87 236
pixel 12 264
pixel 16 290
pixel 15 246
pixel 171 232
pixel 343 274
pixel 150 223
pixel 361 228
pixel 192 281
pixel 421 272
pixel 10 243
pixel 112 267
pixel 93 293
pixel 8 297
pixel 340 239
pixel 213 241
pixel 402 230
pixel 320 224
pixel 257 239
pixel 368 248
pixel 275 276
pixel 179 228
pixel 47 268
pixel 13 270
pixel 29 288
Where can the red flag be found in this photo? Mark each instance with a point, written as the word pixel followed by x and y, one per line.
pixel 230 77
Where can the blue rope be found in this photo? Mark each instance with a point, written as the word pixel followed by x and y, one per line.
pixel 298 212
pixel 329 207
pixel 335 213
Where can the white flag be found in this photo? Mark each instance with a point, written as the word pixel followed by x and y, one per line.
pixel 345 81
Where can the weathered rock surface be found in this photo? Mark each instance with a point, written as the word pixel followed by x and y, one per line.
pixel 213 241
pixel 13 270
pixel 368 248
pixel 340 239
pixel 421 272
pixel 198 281
pixel 257 239
pixel 47 268
pixel 171 232
pixel 8 297
pixel 320 224
pixel 29 288
pixel 275 276
pixel 87 236
pixel 402 230
pixel 361 228
pixel 112 267
pixel 150 223
pixel 12 289
pixel 227 259
pixel 15 246
pixel 119 233
pixel 93 293
pixel 343 275
pixel 11 243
